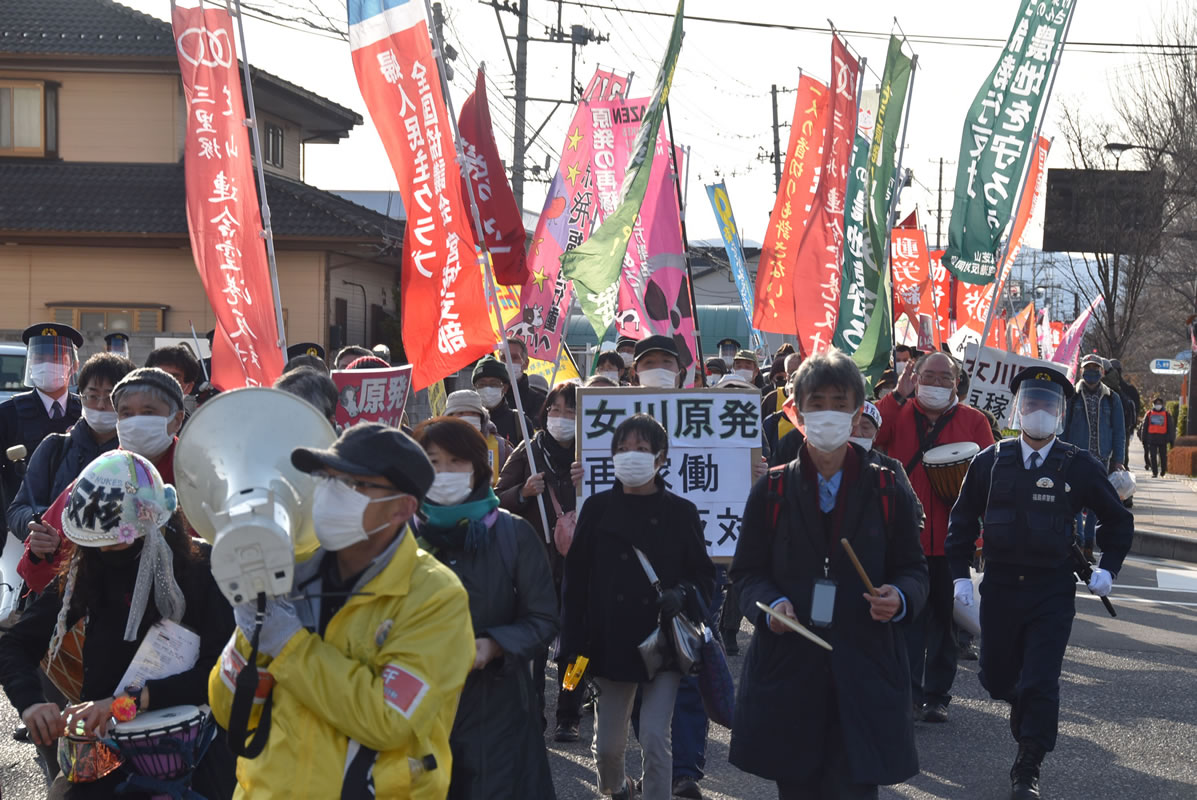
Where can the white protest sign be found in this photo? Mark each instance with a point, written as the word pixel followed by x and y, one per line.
pixel 714 439
pixel 991 372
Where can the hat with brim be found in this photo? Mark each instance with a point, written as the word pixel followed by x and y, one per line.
pixel 872 412
pixel 656 343
pixel 1042 377
pixel 371 448
pixel 733 382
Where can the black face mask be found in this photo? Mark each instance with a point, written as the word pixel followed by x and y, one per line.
pixel 121 558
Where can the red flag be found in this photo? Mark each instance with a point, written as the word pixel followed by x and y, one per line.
pixel 446 324
pixel 773 307
pixel 911 266
pixel 502 222
pixel 911 221
pixel 820 255
pixel 941 291
pixel 223 217
pixel 1036 183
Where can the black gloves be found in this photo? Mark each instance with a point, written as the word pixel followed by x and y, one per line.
pixel 671 602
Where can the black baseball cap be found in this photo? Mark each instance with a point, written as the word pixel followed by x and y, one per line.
pixel 1045 377
pixel 625 341
pixel 371 448
pixel 664 344
pixel 52 329
pixel 305 349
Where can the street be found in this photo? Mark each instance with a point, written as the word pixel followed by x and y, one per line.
pixel 1127 729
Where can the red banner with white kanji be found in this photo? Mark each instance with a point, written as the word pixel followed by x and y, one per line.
pixel 911 265
pixel 223 217
pixel 446 325
pixel 372 395
pixel 773 307
pixel 821 252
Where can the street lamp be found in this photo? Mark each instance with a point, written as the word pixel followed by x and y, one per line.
pixel 1117 149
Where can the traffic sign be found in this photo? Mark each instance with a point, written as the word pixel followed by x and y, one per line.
pixel 1169 366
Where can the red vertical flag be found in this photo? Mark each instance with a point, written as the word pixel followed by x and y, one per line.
pixel 446 324
pixel 502 222
pixel 776 283
pixel 223 217
pixel 941 291
pixel 912 273
pixel 820 255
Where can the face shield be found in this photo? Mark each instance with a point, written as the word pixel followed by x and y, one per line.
pixel 50 362
pixel 1039 410
pixel 119 346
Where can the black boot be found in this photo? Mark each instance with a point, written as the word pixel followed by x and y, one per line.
pixel 1024 775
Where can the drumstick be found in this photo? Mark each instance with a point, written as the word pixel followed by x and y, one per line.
pixel 859 569
pixel 792 625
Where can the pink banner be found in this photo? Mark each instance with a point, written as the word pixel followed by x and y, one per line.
pixel 372 395
pixel 1069 348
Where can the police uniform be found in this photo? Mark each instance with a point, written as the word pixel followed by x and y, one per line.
pixel 25 420
pixel 1027 503
pixel 117 342
pixel 305 349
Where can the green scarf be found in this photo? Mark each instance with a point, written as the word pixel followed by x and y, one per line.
pixel 459 527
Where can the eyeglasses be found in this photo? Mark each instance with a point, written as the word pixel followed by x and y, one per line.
pixel 936 380
pixel 351 483
pixel 96 397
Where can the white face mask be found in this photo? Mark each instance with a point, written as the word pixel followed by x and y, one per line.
pixel 561 428
pixel 337 512
pixel 490 396
pixel 1039 424
pixel 827 430
pixel 517 370
pixel 100 421
pixel 658 378
pixel 635 468
pixel 473 421
pixel 49 376
pixel 144 435
pixel 610 375
pixel 744 375
pixel 1158 406
pixel 935 397
pixel 450 488
pixel 627 359
pixel 862 441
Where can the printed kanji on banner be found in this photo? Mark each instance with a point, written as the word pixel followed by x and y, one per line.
pixel 372 395
pixel 223 217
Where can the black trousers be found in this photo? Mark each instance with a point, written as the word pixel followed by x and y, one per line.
pixel 1157 456
pixel 931 640
pixel 1025 625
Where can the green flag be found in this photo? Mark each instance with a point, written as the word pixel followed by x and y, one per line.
pixel 999 139
pixel 859 278
pixel 872 354
pixel 594 266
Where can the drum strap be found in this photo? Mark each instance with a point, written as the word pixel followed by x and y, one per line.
pixel 243 700
pixel 928 439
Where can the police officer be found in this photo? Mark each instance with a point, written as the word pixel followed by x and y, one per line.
pixel 1027 491
pixel 25 419
pixel 117 342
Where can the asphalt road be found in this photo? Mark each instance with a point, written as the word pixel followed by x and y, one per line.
pixel 1128 725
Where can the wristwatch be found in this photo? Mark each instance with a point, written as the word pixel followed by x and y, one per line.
pixel 134 692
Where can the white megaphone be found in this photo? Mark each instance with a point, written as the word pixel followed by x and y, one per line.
pixel 239 491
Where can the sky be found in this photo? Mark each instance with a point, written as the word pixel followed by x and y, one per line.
pixel 720 101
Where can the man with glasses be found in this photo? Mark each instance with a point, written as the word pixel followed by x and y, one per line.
pixel 920 414
pixel 51 357
pixel 369 652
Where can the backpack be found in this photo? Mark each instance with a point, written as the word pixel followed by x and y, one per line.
pixel 775 498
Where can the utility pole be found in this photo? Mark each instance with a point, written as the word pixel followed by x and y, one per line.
pixel 776 145
pixel 521 103
pixel 939 211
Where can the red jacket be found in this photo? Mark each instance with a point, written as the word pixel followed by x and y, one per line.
pixel 899 439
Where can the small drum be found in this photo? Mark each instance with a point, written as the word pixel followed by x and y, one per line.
pixel 946 467
pixel 84 758
pixel 163 747
pixel 66 670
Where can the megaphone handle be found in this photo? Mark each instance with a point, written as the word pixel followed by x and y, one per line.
pixel 246 687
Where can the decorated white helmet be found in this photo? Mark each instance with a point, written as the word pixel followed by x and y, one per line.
pixel 118 498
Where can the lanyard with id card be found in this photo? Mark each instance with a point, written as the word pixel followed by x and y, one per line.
pixel 822 598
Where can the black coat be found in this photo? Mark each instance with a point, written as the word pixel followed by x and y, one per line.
pixel 554 461
pixel 780 726
pixel 531 397
pixel 23 420
pixel 498 749
pixel 507 424
pixel 609 605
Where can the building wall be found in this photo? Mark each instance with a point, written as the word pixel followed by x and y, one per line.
pixel 33 276
pixel 379 281
pixel 292 160
pixel 118 116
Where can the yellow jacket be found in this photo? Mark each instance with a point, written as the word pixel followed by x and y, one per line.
pixel 386 676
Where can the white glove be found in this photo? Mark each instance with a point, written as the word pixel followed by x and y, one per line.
pixel 964 591
pixel 280 624
pixel 1101 582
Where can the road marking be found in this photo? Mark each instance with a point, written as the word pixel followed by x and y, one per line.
pixel 1116 599
pixel 1176 579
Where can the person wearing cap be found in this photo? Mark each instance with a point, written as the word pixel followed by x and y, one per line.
pixel 657 364
pixel 347 355
pixel 492 382
pixel 465 404
pixel 1025 492
pixel 118 343
pixel 715 369
pixel 132 565
pixel 306 354
pixel 1095 421
pixel 848 723
pixel 923 413
pixel 885 384
pixel 382 351
pixel 609 365
pixel 369 651
pixel 727 349
pixel 531 396
pixel 1158 431
pixel 626 347
pixel 497 740
pixel 51 357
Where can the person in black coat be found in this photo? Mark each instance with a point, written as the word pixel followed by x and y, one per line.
pixel 496 741
pixel 493 384
pixel 610 606
pixel 828 724
pixel 531 397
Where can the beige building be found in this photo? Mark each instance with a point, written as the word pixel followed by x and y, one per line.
pixel 93 230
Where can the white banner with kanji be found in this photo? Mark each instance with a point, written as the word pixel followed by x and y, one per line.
pixel 991 371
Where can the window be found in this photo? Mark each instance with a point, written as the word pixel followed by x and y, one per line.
pixel 28 118
pixel 274 145
pixel 107 319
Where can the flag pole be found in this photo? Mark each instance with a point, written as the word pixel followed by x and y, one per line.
pixel 892 216
pixel 267 230
pixel 484 259
pixel 1005 248
pixel 700 374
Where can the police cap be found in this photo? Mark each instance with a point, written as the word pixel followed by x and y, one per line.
pixel 52 329
pixel 120 336
pixel 1045 377
pixel 305 349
